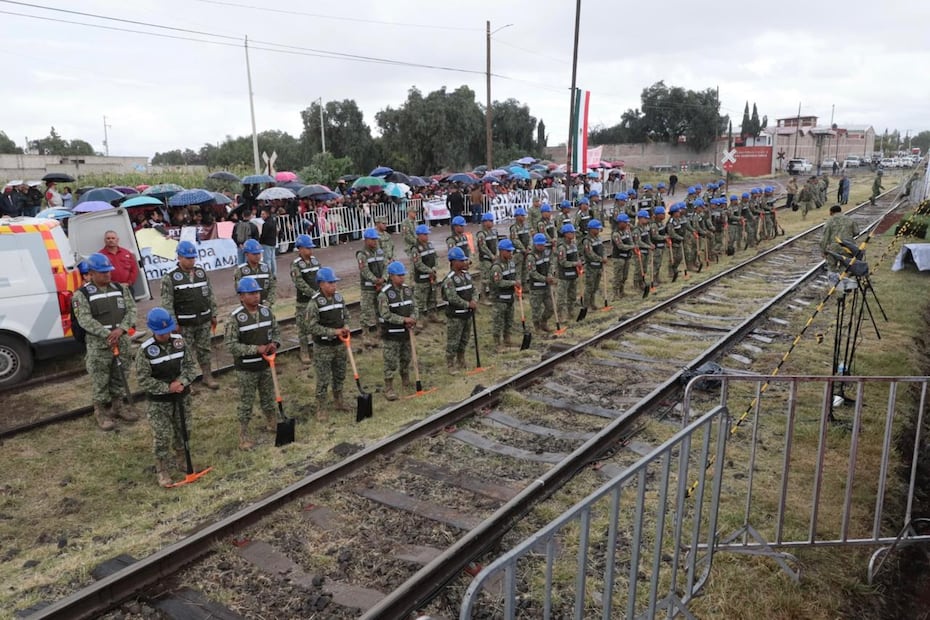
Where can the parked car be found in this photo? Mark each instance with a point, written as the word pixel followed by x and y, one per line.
pixel 851 162
pixel 887 163
pixel 799 166
pixel 827 164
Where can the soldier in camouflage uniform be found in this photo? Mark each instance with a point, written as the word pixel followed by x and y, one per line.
pixel 254 268
pixel 385 242
pixel 622 246
pixel 620 206
pixel 409 227
pixel 563 217
pixel 593 256
pixel 806 197
pixel 546 224
pixel 371 262
pixel 165 368
pixel 303 274
pixel 751 212
pixel 106 311
pixel 838 228
pixel 642 235
pixel 458 239
pixel 520 234
pixel 678 232
pixel 876 188
pixel 504 285
pixel 328 319
pixel 534 214
pixel 581 219
pixel 187 295
pixel 704 236
pixel 397 314
pixel 486 246
pixel 424 260
pixel 252 333
pixel 659 231
pixel 569 263
pixel 767 217
pixel 458 291
pixel 539 279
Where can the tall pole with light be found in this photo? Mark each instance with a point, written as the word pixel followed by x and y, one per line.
pixel 489 148
pixel 571 99
pixel 248 73
pixel 106 138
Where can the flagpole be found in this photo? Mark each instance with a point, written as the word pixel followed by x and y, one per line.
pixel 248 73
pixel 571 107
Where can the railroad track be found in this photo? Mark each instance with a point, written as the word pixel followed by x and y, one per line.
pixel 406 515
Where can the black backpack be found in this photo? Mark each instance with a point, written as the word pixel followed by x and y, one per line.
pixel 78 332
pixel 242 232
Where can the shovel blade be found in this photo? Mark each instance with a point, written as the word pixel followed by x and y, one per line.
pixel 582 314
pixel 527 339
pixel 363 407
pixel 284 432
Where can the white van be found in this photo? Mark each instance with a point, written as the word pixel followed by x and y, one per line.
pixel 38 276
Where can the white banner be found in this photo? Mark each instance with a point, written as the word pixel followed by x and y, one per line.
pixel 435 209
pixel 211 256
pixel 594 156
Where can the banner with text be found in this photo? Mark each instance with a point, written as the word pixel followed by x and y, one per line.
pixel 211 256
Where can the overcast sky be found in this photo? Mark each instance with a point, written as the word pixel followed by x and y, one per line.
pixel 869 59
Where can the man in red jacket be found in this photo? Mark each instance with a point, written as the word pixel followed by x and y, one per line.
pixel 125 267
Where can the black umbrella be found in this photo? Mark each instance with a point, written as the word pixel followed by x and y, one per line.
pixel 398 177
pixel 58 177
pixel 222 175
pixel 294 186
pixel 349 178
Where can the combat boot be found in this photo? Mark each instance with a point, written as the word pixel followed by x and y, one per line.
pixel 434 317
pixel 104 421
pixel 180 459
pixel 389 392
pixel 304 354
pixel 207 378
pixel 405 381
pixel 161 471
pixel 460 358
pixel 124 413
pixel 544 327
pixel 245 442
pixel 271 423
pixel 322 415
pixel 451 368
pixel 338 403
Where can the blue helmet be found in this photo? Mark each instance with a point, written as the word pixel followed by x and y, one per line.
pixel 565 205
pixel 456 253
pixel 622 196
pixel 699 202
pixel 745 194
pixel 623 217
pixel 187 249
pixel 458 220
pixel 545 208
pixel 692 190
pixel 304 241
pixel 370 233
pixel 674 208
pixel 711 185
pixel 159 321
pixel 567 228
pixel 631 193
pixel 593 193
pixel 768 189
pixel 98 262
pixel 396 268
pixel 698 187
pixel 248 285
pixel 642 213
pixel 326 274
pixel 540 239
pixel 661 185
pixel 755 190
pixel 251 246
pixel 647 186
pixel 421 229
pixel 658 211
pixel 519 211
pixel 506 245
pixel 595 225
pixel 83 268
pixel 487 217
pixel 734 198
pixel 583 201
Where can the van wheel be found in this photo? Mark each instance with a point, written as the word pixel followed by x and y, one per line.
pixel 15 360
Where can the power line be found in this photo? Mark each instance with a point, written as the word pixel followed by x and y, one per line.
pixel 532 52
pixel 338 18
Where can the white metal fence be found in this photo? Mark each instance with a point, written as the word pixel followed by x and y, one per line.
pixel 644 543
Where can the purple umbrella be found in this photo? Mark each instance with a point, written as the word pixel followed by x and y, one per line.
pixel 91 206
pixel 127 191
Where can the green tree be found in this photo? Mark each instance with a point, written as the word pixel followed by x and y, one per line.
pixel 745 129
pixel 346 133
pixel 79 147
pixel 513 127
pixel 52 144
pixel 7 146
pixel 756 124
pixel 922 140
pixel 542 140
pixel 326 169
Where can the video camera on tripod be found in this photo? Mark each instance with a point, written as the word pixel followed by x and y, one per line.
pixel 852 259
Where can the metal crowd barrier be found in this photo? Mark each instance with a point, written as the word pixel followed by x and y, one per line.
pixel 644 543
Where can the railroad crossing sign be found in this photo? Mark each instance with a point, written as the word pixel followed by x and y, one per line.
pixel 729 160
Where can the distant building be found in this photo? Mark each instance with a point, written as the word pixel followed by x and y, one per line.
pixel 806 139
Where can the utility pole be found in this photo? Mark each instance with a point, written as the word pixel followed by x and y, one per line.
pixel 489 147
pixel 571 106
pixel 248 72
pixel 797 130
pixel 106 139
pixel 322 129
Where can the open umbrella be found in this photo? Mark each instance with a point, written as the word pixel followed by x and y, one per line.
pixel 480 169
pixel 526 161
pixel 190 197
pixel 285 176
pixel 101 194
pixel 126 191
pixel 518 172
pixel 142 187
pixel 396 190
pixel 499 172
pixel 58 177
pixel 254 179
pixel 220 199
pixel 294 186
pixel 163 191
pixel 309 191
pixel 535 175
pixel 222 175
pixel 418 182
pixel 381 171
pixel 91 206
pixel 140 201
pixel 276 193
pixel 54 214
pixel 460 177
pixel 398 177
pixel 369 182
pixel 325 196
pixel 349 178
pixel 556 173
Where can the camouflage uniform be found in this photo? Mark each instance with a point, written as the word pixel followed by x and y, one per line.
pixel 750 212
pixel 534 215
pixel 561 218
pixel 838 228
pixel 658 234
pixel 806 198
pixel 263 276
pixel 568 261
pixel 303 274
pixel 622 245
pixel 157 366
pixel 244 333
pixel 189 298
pixel 98 312
pixel 424 275
pixel 459 241
pixel 386 244
pixel 408 228
pixel 677 232
pixel 520 235
pixel 327 315
pixel 876 188
pixel 486 245
pixel 395 304
pixel 538 276
pixel 593 253
pixel 581 220
pixel 503 281
pixel 547 227
pixel 642 237
pixel 458 290
pixel 371 269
